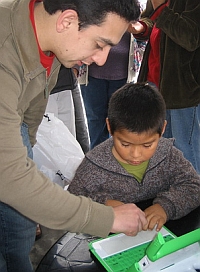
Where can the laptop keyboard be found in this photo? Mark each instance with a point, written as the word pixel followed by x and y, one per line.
pixel 122 261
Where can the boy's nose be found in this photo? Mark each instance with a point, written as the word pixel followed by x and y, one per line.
pixel 135 152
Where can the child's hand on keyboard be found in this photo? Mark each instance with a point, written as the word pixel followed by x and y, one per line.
pixel 155 215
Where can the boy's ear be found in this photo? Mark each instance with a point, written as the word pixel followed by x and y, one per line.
pixel 108 125
pixel 66 19
pixel 164 126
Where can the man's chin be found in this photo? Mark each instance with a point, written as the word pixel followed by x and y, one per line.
pixel 68 64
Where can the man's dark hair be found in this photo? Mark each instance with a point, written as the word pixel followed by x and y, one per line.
pixel 93 12
pixel 137 108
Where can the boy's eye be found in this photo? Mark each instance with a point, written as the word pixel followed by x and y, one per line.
pixel 123 144
pixel 147 145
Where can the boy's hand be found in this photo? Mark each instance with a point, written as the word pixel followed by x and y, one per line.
pixel 155 215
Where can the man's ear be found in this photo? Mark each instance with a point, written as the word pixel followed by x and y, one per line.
pixel 108 126
pixel 164 126
pixel 66 19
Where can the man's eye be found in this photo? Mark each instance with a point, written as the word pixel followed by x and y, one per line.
pixel 99 47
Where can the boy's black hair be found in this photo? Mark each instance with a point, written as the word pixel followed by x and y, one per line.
pixel 137 108
pixel 93 12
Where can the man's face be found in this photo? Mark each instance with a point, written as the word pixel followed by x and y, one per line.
pixel 90 44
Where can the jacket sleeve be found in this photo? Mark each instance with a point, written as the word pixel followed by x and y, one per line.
pixel 27 190
pixel 182 27
pixel 183 195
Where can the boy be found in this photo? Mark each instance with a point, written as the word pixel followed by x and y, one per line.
pixel 136 163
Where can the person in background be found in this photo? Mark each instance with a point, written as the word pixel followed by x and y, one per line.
pixel 54 32
pixel 171 62
pixel 137 163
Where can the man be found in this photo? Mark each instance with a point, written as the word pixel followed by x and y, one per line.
pixel 171 61
pixel 35 38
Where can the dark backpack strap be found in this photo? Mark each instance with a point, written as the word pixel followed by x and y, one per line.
pixel 65 81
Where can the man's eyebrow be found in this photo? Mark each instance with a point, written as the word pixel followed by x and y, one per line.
pixel 107 41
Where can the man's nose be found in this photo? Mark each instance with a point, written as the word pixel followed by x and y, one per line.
pixel 101 56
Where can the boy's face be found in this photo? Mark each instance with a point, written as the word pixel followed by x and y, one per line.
pixel 90 44
pixel 133 148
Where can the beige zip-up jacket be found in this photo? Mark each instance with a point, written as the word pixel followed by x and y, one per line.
pixel 22 99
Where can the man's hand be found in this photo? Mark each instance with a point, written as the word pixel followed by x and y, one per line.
pixel 113 203
pixel 155 215
pixel 157 3
pixel 129 219
pixel 136 28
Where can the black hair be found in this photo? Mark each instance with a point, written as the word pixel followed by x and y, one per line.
pixel 137 108
pixel 93 12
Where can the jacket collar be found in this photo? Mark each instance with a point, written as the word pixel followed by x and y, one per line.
pixel 24 39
